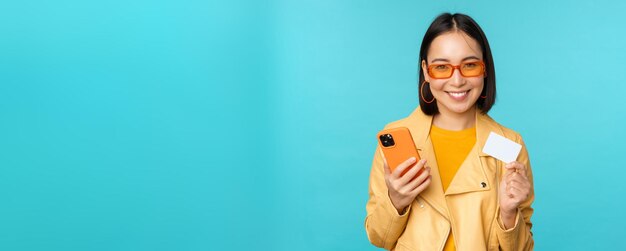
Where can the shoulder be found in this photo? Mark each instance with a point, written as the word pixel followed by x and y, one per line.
pixel 398 123
pixel 416 117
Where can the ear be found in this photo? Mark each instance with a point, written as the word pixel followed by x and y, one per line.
pixel 425 71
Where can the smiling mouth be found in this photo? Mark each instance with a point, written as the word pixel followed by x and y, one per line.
pixel 458 95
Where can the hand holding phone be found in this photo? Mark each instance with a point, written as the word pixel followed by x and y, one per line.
pixel 412 176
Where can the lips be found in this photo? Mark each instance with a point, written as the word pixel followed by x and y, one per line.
pixel 459 96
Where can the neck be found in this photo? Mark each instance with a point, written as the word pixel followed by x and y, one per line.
pixel 455 121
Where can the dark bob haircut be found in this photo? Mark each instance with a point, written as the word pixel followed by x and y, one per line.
pixel 447 22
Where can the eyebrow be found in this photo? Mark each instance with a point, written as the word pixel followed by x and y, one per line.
pixel 446 60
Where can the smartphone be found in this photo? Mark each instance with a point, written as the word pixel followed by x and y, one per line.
pixel 397 145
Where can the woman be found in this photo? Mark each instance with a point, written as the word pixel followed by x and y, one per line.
pixel 464 199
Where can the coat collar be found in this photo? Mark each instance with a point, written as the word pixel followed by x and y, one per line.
pixel 420 123
pixel 472 173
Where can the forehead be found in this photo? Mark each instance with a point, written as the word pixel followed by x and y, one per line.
pixel 454 47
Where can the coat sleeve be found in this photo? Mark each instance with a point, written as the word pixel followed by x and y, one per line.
pixel 519 237
pixel 383 224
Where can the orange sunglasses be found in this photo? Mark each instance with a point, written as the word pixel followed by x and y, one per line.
pixel 467 69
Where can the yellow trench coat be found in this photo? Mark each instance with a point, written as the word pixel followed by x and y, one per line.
pixel 469 208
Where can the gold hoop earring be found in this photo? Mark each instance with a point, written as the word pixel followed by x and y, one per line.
pixel 422 93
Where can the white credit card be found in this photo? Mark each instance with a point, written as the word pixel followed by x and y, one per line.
pixel 502 148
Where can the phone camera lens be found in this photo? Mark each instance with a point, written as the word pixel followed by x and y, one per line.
pixel 387 140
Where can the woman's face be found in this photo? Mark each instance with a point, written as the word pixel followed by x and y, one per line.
pixel 457 94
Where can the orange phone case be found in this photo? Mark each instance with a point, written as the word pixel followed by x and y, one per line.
pixel 402 149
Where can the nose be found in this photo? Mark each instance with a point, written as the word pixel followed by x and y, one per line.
pixel 457 79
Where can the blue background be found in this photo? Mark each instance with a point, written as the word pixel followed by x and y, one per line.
pixel 233 125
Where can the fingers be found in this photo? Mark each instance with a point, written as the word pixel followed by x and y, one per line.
pixel 517 186
pixel 397 173
pixel 516 176
pixel 411 183
pixel 419 189
pixel 518 181
pixel 514 164
pixel 516 167
pixel 410 175
pixel 419 179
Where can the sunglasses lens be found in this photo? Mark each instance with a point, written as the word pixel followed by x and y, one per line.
pixel 441 71
pixel 469 69
pixel 472 69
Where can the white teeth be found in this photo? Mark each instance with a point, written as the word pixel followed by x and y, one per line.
pixel 457 94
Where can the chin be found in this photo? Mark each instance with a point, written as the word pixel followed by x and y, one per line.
pixel 460 108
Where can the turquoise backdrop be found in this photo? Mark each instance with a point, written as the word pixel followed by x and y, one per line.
pixel 250 125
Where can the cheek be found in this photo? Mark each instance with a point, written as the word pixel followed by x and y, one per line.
pixel 436 86
pixel 479 85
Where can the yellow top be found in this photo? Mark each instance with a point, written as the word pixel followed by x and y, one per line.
pixel 451 148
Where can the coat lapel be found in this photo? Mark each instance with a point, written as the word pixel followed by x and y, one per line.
pixel 472 174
